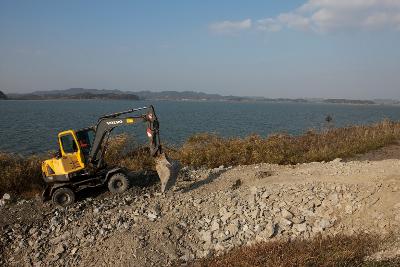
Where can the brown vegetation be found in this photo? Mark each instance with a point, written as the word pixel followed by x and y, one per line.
pixel 328 251
pixel 212 151
pixel 20 174
pixel 124 151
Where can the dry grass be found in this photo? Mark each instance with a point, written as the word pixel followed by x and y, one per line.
pixel 19 174
pixel 212 151
pixel 328 251
pixel 124 151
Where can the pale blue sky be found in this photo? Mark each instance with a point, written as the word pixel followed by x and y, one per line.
pixel 309 48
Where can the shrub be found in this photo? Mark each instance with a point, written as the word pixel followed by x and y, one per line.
pixel 328 251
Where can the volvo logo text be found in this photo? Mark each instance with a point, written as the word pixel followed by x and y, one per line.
pixel 114 122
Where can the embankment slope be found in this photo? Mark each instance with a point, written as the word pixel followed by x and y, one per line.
pixel 209 212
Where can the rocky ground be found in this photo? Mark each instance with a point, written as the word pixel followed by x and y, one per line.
pixel 208 212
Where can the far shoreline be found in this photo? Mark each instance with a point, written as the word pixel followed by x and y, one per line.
pixel 272 101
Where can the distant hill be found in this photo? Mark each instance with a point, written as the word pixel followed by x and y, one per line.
pixel 145 95
pixel 387 101
pixel 349 101
pixel 103 96
pixel 79 91
pixel 148 95
pixel 175 95
pixel 2 96
pixel 76 93
pixel 83 93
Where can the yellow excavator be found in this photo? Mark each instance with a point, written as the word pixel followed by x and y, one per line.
pixel 80 164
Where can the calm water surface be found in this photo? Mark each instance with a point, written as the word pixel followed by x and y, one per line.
pixel 32 126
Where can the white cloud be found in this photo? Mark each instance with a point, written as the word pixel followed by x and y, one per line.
pixel 228 27
pixel 269 24
pixel 337 15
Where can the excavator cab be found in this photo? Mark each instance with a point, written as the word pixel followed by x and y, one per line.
pixel 80 163
pixel 70 158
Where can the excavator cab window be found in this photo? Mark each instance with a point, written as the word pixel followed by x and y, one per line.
pixel 85 139
pixel 68 143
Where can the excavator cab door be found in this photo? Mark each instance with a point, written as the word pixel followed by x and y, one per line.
pixel 85 141
pixel 71 154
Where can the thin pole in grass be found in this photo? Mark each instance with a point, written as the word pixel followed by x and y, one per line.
pixel 329 122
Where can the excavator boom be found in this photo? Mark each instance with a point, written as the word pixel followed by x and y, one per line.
pixel 166 168
pixel 106 124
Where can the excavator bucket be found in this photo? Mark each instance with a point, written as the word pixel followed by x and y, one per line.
pixel 167 170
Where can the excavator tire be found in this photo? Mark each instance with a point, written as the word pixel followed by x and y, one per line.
pixel 63 197
pixel 118 183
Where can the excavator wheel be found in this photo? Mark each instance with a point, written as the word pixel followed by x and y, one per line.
pixel 118 183
pixel 63 197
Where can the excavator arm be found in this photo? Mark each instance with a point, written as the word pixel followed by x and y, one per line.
pixel 107 123
pixel 167 169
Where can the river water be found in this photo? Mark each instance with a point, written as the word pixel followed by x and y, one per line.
pixel 29 127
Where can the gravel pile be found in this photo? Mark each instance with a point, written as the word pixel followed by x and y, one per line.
pixel 209 212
